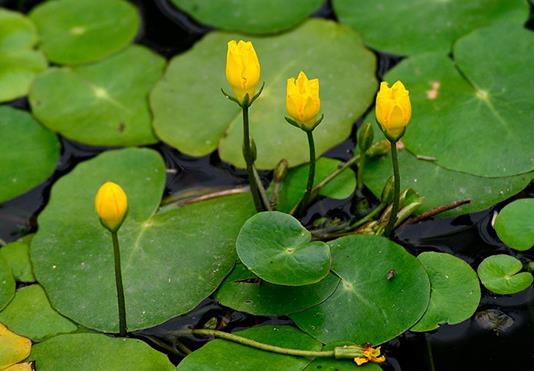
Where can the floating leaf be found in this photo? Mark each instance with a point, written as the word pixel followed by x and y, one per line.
pixel 24 142
pixel 279 250
pixel 500 274
pixel 19 63
pixel 252 16
pixel 383 292
pixel 13 348
pixel 103 103
pixel 82 31
pixel 186 252
pixel 7 283
pixel 515 224
pixel 30 314
pixel 245 292
pixel 403 27
pixel 89 352
pixel 463 110
pixel 17 256
pixel 225 355
pixel 189 94
pixel 455 291
pixel 294 186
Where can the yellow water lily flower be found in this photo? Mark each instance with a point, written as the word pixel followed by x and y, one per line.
pixel 370 354
pixel 393 109
pixel 302 100
pixel 111 205
pixel 242 69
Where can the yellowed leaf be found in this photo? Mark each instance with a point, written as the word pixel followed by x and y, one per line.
pixel 13 348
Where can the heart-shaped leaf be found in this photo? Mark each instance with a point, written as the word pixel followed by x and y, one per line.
pixel 515 224
pixel 7 283
pixel 13 348
pixel 279 250
pixel 185 252
pixel 17 256
pixel 501 274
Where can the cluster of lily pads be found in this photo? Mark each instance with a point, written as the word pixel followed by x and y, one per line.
pixel 341 283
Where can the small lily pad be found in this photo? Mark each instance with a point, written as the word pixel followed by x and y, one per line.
pixel 7 283
pixel 24 141
pixel 102 104
pixel 90 352
pixel 30 314
pixel 190 93
pixel 515 224
pixel 455 291
pixel 501 274
pixel 279 250
pixel 403 27
pixel 222 355
pixel 17 256
pixel 294 186
pixel 19 62
pixel 13 348
pixel 245 292
pixel 82 31
pixel 251 16
pixel 384 291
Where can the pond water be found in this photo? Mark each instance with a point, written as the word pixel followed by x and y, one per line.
pixel 498 337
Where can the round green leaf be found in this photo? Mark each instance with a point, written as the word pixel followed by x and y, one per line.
pixel 7 283
pixel 24 142
pixel 464 109
pixel 367 306
pixel 189 94
pixel 19 63
pixel 30 314
pixel 279 250
pixel 90 352
pixel 500 274
pixel 294 185
pixel 515 224
pixel 222 355
pixel 245 292
pixel 251 16
pixel 17 256
pixel 103 103
pixel 429 180
pixel 186 252
pixel 82 31
pixel 403 27
pixel 454 294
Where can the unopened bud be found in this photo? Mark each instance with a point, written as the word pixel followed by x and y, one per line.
pixel 365 137
pixel 388 191
pixel 380 148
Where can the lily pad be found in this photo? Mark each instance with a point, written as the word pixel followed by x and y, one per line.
pixel 515 224
pixel 29 153
pixel 82 31
pixel 403 27
pixel 455 291
pixel 19 62
pixel 245 292
pixel 251 16
pixel 187 252
pixel 428 179
pixel 189 94
pixel 225 355
pixel 294 186
pixel 101 104
pixel 7 283
pixel 17 256
pixel 30 314
pixel 13 348
pixel 279 250
pixel 89 352
pixel 464 109
pixel 501 274
pixel 369 305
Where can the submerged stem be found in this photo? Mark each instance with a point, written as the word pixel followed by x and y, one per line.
pixel 118 283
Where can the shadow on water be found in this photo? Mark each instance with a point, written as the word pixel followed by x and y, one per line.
pixel 498 337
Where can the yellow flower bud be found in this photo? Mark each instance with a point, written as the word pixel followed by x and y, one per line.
pixel 111 205
pixel 242 69
pixel 393 109
pixel 302 100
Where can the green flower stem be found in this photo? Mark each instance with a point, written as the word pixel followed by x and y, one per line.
pixel 359 174
pixel 311 172
pixel 396 194
pixel 247 154
pixel 377 210
pixel 118 282
pixel 261 190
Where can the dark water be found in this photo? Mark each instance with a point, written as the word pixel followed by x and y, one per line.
pixel 499 337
